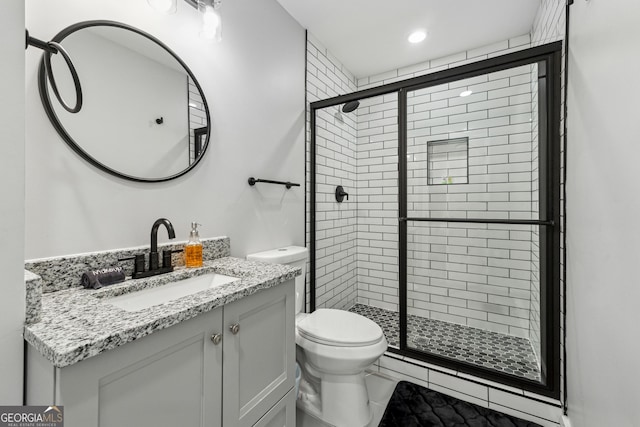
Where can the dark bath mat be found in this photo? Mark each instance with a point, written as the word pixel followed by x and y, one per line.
pixel 414 406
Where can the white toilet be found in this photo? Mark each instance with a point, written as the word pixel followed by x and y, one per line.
pixel 334 347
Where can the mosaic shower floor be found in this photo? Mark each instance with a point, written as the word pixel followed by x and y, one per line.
pixel 505 353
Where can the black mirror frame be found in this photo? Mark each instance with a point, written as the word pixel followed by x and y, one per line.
pixel 53 118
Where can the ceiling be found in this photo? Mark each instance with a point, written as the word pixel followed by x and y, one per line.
pixel 370 36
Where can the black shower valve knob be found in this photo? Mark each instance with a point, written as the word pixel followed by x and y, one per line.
pixel 341 194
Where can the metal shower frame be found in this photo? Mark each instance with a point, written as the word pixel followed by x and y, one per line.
pixel 549 209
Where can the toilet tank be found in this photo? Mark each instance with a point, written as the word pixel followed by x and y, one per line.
pixel 295 256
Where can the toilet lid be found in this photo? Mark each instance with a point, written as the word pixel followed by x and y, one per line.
pixel 339 328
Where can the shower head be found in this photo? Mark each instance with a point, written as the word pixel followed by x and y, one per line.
pixel 350 106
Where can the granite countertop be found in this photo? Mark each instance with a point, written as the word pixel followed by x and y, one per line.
pixel 79 323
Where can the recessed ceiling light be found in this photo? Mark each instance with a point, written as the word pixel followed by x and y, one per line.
pixel 417 36
pixel 466 93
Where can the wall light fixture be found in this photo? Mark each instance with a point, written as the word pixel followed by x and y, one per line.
pixel 164 6
pixel 211 19
pixel 210 9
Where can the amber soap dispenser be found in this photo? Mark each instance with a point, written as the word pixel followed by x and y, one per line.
pixel 193 248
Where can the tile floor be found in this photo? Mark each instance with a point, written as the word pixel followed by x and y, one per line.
pixel 505 353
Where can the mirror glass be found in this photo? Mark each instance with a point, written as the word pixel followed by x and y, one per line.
pixel 144 116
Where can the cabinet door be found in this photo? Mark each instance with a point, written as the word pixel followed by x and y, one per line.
pixel 170 378
pixel 283 414
pixel 259 358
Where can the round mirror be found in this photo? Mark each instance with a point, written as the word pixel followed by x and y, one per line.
pixel 144 116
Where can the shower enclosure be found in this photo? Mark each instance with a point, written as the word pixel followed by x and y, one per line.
pixel 450 236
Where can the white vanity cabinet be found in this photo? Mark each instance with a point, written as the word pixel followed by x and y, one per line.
pixel 259 358
pixel 233 366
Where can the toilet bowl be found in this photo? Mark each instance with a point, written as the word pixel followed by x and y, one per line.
pixel 333 349
pixel 337 346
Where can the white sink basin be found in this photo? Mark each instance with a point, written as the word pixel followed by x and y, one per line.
pixel 146 298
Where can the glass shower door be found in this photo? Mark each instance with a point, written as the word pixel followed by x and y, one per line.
pixel 473 214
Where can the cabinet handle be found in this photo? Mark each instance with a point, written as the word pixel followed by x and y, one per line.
pixel 234 329
pixel 216 338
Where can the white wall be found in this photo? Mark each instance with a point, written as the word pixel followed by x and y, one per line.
pixel 254 83
pixel 603 207
pixel 12 197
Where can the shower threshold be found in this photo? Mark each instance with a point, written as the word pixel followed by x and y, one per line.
pixel 504 353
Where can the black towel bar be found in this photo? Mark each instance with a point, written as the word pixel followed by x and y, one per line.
pixel 253 181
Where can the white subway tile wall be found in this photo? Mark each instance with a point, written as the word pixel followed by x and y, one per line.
pixel 336 223
pixel 534 299
pixel 377 176
pixel 548 26
pixel 472 274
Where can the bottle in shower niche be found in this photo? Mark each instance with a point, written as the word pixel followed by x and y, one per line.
pixel 193 248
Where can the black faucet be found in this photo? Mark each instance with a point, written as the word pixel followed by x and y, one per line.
pixel 154 258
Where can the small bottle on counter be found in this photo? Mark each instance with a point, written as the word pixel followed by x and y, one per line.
pixel 193 248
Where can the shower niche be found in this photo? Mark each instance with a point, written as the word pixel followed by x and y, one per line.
pixel 451 237
pixel 448 161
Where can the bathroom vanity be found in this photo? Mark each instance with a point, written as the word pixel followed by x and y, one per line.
pixel 223 356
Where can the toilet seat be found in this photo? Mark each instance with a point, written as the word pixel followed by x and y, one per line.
pixel 339 328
